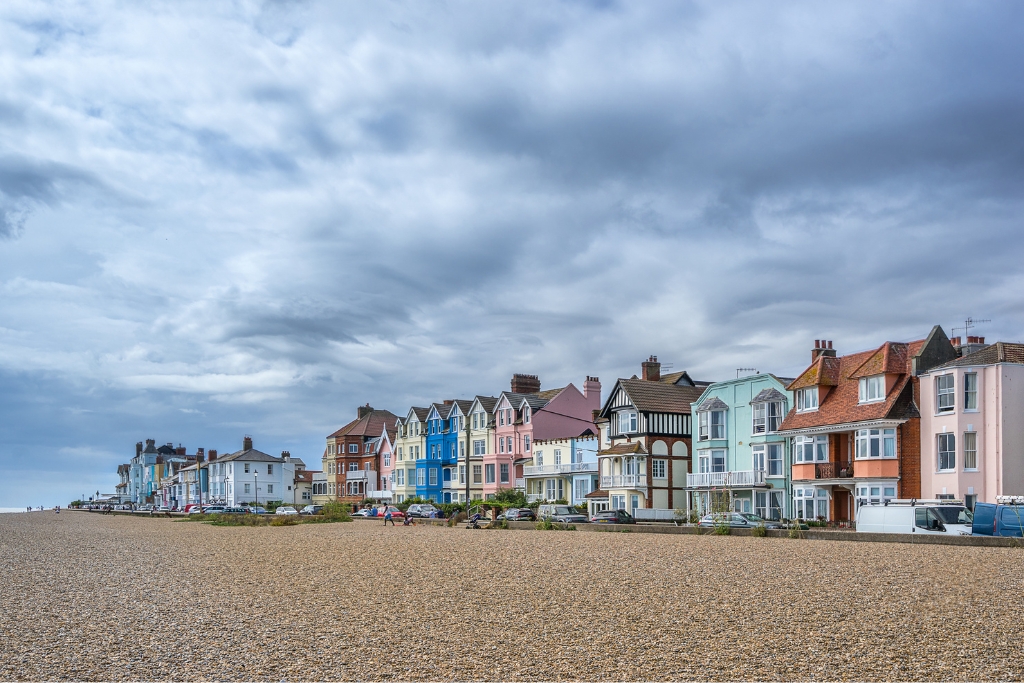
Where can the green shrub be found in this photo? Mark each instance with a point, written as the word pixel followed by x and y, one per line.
pixel 547 525
pixel 723 529
pixel 285 520
pixel 759 531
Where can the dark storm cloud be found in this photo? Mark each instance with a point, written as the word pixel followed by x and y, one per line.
pixel 222 218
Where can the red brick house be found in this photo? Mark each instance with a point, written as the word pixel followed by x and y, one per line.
pixel 855 427
pixel 350 459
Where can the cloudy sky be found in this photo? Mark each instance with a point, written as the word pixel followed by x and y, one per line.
pixel 220 218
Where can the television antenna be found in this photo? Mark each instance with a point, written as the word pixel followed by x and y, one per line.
pixel 739 370
pixel 968 324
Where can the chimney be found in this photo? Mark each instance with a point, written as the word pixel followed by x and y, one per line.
pixel 449 401
pixel 525 384
pixel 363 411
pixel 200 452
pixel 138 448
pixel 286 456
pixel 151 442
pixel 651 369
pixel 592 390
pixel 822 347
pixel 199 456
pixel 247 443
pixel 213 453
pixel 180 450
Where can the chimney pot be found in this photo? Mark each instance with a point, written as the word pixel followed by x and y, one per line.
pixel 817 343
pixel 286 455
pixel 981 340
pixel 525 384
pixel 449 401
pixel 830 343
pixel 363 411
pixel 247 443
pixel 213 454
pixel 650 369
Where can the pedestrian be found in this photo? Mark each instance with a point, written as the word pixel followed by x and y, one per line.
pixel 406 520
pixel 388 517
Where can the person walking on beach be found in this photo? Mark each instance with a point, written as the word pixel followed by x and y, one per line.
pixel 388 517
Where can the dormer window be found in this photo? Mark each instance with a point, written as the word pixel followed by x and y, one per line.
pixel 944 394
pixel 711 425
pixel 872 389
pixel 767 417
pixel 526 415
pixel 806 399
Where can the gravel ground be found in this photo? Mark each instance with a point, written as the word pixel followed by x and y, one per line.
pixel 85 596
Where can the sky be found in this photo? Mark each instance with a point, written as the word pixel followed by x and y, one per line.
pixel 230 218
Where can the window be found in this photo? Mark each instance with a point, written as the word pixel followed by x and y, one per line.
pixel 775 460
pixel 270 488
pixel 526 443
pixel 581 487
pixel 478 447
pixel 970 450
pixel 478 476
pixel 353 466
pixel 711 425
pixel 767 417
pixel 971 391
pixel 947 452
pixel 247 488
pixel 810 449
pixel 768 504
pixel 508 444
pixel 711 461
pixel 810 503
pixel 462 474
pixel 387 460
pixel 550 492
pixel 526 415
pixel 367 465
pixel 627 422
pixel 400 454
pixel 247 468
pixel 944 396
pixel 421 476
pixel 353 448
pixel 453 452
pixel 504 473
pixel 489 474
pixel 558 456
pixel 433 476
pixel 474 420
pixel 759 460
pixel 509 419
pixel 399 477
pixel 659 469
pixel 501 444
pixel 501 417
pixel 872 389
pixel 806 399
pixel 875 493
pixel 876 443
pixel 538 457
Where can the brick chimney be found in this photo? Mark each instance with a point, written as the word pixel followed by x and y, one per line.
pixel 247 443
pixel 213 454
pixel 651 369
pixel 138 448
pixel 180 450
pixel 525 384
pixel 822 347
pixel 363 411
pixel 592 390
pixel 449 401
pixel 286 456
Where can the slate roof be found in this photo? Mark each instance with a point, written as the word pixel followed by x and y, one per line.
pixel 841 404
pixel 533 400
pixel 250 455
pixel 628 448
pixel 487 402
pixel 658 397
pixel 713 403
pixel 463 405
pixel 371 424
pixel 1000 352
pixel 768 395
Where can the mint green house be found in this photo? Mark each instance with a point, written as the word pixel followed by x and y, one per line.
pixel 739 459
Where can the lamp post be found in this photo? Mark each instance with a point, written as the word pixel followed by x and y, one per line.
pixel 256 486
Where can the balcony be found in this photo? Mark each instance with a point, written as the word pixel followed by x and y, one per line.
pixel 722 480
pixel 520 483
pixel 623 481
pixel 833 470
pixel 361 475
pixel 566 468
pixel 534 498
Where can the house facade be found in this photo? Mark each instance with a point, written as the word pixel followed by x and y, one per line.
pixel 409 446
pixel 253 477
pixel 350 460
pixel 855 426
pixel 647 439
pixel 971 427
pixel 469 484
pixel 741 461
pixel 562 469
pixel 386 460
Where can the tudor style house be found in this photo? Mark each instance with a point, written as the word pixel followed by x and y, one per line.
pixel 646 440
pixel 740 458
pixel 855 426
pixel 350 460
pixel 526 413
pixel 971 427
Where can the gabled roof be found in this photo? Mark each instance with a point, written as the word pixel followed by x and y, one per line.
pixel 682 378
pixel 419 413
pixel 250 455
pixel 841 405
pixel 768 395
pixel 370 424
pixel 713 403
pixel 462 407
pixel 657 397
pixel 628 448
pixel 533 400
pixel 1000 352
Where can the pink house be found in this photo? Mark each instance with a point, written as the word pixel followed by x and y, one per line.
pixel 972 434
pixel 526 413
pixel 385 463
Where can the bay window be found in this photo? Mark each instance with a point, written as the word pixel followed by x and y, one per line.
pixel 875 494
pixel 810 503
pixel 711 425
pixel 711 461
pixel 767 417
pixel 810 449
pixel 768 459
pixel 876 443
pixel 627 422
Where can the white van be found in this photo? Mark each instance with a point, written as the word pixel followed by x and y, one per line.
pixel 916 517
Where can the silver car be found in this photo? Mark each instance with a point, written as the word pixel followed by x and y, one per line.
pixel 737 520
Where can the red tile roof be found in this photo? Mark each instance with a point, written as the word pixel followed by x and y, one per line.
pixel 629 448
pixel 841 404
pixel 371 425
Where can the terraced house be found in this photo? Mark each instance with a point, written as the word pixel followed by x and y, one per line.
pixel 350 459
pixel 410 445
pixel 741 461
pixel 562 469
pixel 856 427
pixel 481 440
pixel 435 474
pixel 646 440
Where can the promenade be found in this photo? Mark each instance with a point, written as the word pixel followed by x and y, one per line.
pixel 89 596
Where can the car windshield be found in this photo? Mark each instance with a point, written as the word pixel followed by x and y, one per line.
pixel 954 515
pixel 564 510
pixel 751 517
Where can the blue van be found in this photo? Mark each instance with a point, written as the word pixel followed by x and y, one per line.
pixel 998 520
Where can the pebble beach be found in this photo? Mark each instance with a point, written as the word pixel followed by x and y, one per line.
pixel 92 597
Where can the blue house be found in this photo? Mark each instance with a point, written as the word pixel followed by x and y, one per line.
pixel 437 471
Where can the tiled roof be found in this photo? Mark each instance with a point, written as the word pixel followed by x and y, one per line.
pixel 767 395
pixel 549 394
pixel 463 405
pixel 487 402
pixel 533 400
pixel 1000 352
pixel 597 494
pixel 629 448
pixel 371 424
pixel 658 397
pixel 250 455
pixel 421 413
pixel 841 404
pixel 713 403
pixel 824 371
pixel 304 476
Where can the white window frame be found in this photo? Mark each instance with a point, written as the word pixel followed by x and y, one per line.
pixel 421 476
pixel 659 468
pixel 807 399
pixel 970 451
pixel 945 452
pixel 810 449
pixel 945 394
pixel 489 473
pixel 504 475
pixel 767 417
pixel 628 422
pixel 865 440
pixel 871 389
pixel 432 476
pixel 970 392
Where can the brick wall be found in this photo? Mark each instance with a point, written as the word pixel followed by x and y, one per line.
pixel 910 459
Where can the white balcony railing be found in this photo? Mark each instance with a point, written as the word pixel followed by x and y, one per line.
pixel 361 475
pixel 565 468
pixel 520 484
pixel 623 481
pixel 534 498
pixel 742 478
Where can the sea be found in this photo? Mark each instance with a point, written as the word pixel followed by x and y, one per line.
pixel 2 510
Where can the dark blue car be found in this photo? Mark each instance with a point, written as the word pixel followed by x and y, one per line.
pixel 998 520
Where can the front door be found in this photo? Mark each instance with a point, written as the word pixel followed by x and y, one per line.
pixel 841 505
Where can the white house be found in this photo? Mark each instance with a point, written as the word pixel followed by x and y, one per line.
pixel 250 476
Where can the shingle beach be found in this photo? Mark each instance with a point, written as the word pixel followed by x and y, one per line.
pixel 93 597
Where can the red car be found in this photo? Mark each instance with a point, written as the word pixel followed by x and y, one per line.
pixel 395 512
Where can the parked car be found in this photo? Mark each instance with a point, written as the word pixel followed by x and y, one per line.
pixel 422 510
pixel 214 510
pixel 164 508
pixel 395 512
pixel 998 520
pixel 236 511
pixel 612 517
pixel 142 508
pixel 311 510
pixel 365 512
pixel 519 515
pixel 736 520
pixel 286 510
pixel 256 509
pixel 915 517
pixel 562 514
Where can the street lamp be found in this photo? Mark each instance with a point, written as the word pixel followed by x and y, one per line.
pixel 256 485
